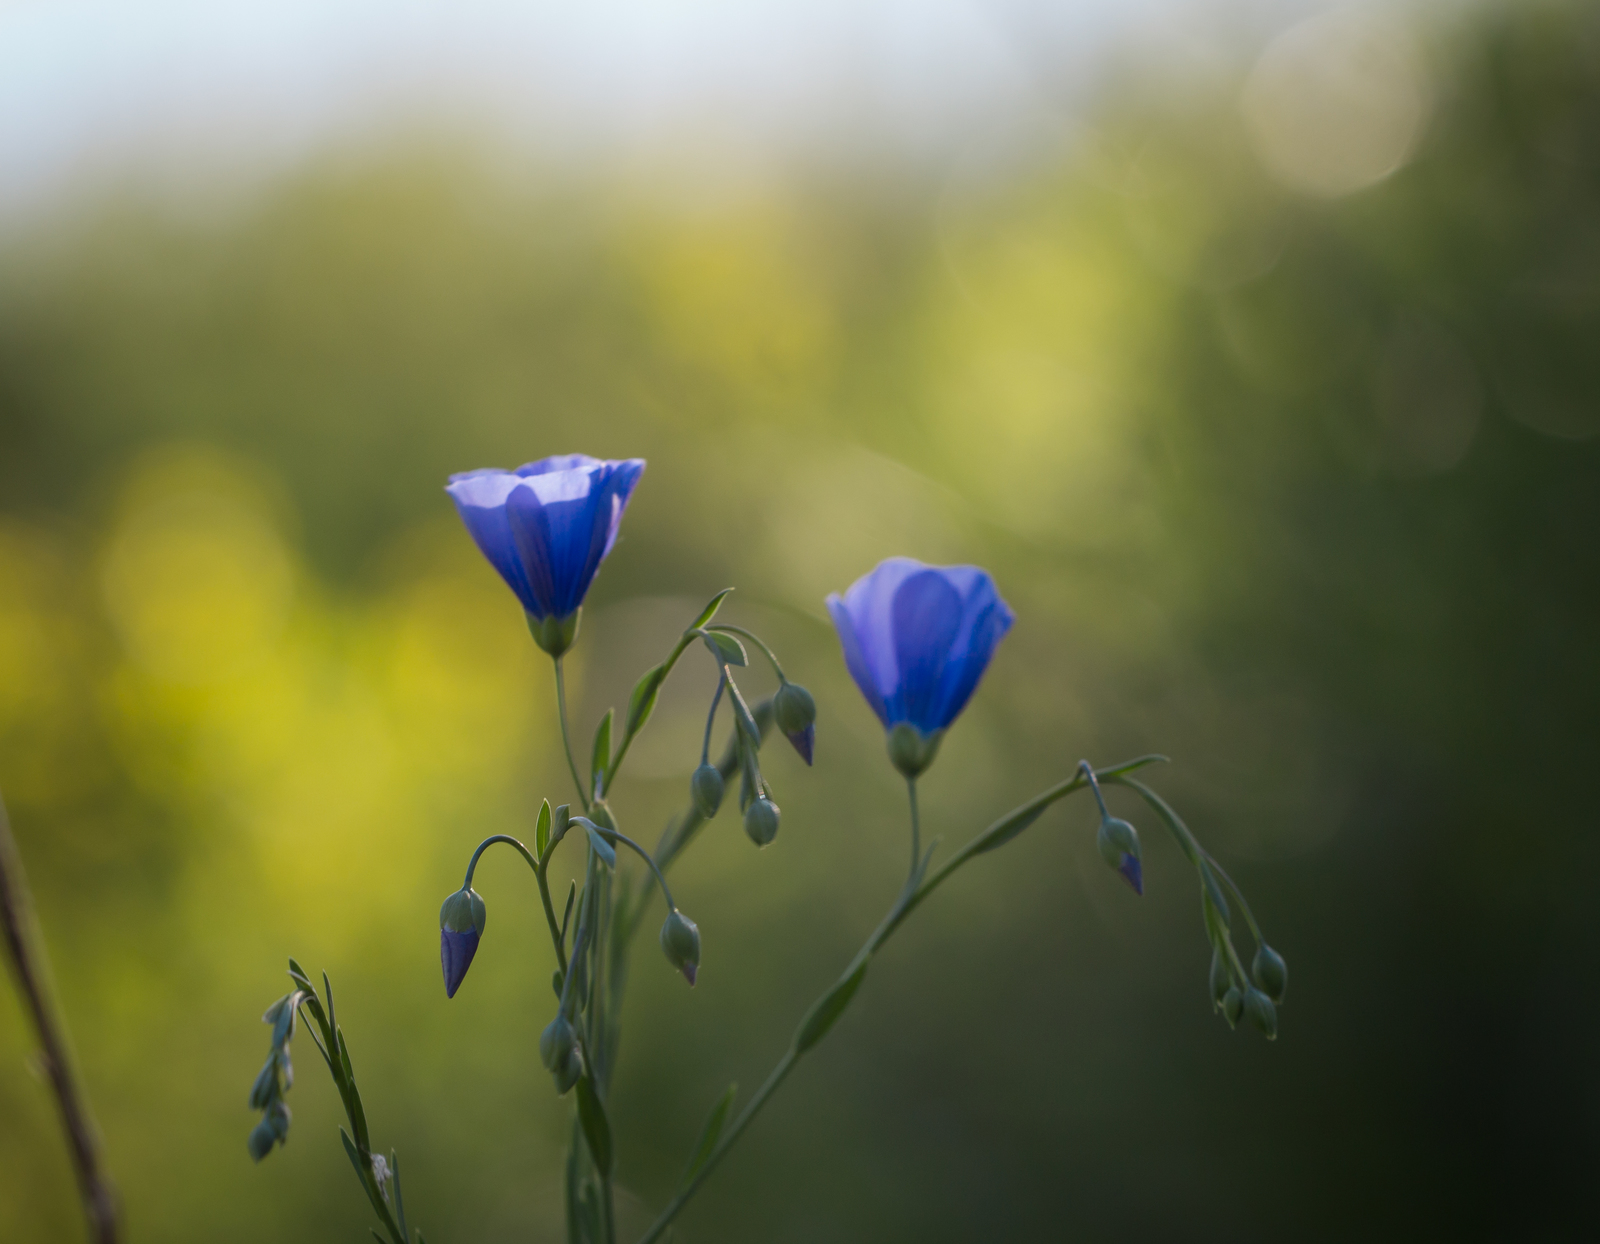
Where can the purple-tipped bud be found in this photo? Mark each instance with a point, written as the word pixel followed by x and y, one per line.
pixel 461 923
pixel 796 714
pixel 455 954
pixel 1119 847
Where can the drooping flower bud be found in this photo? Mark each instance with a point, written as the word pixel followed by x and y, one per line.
pixel 461 924
pixel 1232 1005
pixel 556 1043
pixel 680 939
pixel 911 751
pixel 761 821
pixel 1270 971
pixel 1221 980
pixel 569 1072
pixel 1119 847
pixel 796 715
pixel 555 635
pixel 706 787
pixel 1261 1013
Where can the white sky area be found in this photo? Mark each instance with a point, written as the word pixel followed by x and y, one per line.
pixel 104 90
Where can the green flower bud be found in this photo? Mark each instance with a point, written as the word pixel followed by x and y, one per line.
pixel 464 912
pixel 1270 971
pixel 706 787
pixel 761 821
pixel 1119 847
pixel 1232 1005
pixel 1261 1013
pixel 680 939
pixel 555 635
pixel 911 751
pixel 556 1043
pixel 600 814
pixel 795 713
pixel 1221 980
pixel 569 1073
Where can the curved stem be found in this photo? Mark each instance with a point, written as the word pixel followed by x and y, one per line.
pixel 758 642
pixel 566 734
pixel 711 717
pixel 1244 903
pixel 997 834
pixel 544 889
pixel 616 836
pixel 27 962
pixel 1085 768
pixel 678 650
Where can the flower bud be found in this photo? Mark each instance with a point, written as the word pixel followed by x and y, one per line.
pixel 1270 971
pixel 1232 1005
pixel 680 939
pixel 911 751
pixel 1258 1009
pixel 761 821
pixel 556 1043
pixel 1221 980
pixel 706 787
pixel 555 635
pixel 569 1073
pixel 461 924
pixel 1119 847
pixel 795 713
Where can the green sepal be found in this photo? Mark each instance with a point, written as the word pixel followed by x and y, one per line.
pixel 725 648
pixel 541 831
pixel 827 1010
pixel 710 611
pixel 643 700
pixel 600 761
pixel 710 1133
pixel 596 1129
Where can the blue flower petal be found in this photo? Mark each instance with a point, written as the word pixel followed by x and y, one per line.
pixel 455 956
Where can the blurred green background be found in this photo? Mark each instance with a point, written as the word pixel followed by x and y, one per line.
pixel 1278 436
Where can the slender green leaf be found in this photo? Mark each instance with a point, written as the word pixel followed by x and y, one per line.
pixel 1009 828
pixel 596 1130
pixel 643 700
pixel 364 1173
pixel 711 1132
pixel 710 611
pixel 601 760
pixel 725 648
pixel 358 1115
pixel 541 831
pixel 602 848
pixel 328 986
pixel 828 1009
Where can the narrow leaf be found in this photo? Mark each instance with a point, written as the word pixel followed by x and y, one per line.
pixel 711 1132
pixel 726 649
pixel 328 985
pixel 643 700
pixel 828 1009
pixel 602 848
pixel 710 611
pixel 1008 829
pixel 541 831
pixel 364 1174
pixel 601 760
pixel 596 1130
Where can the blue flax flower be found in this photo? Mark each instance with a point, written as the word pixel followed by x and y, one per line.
pixel 917 639
pixel 546 527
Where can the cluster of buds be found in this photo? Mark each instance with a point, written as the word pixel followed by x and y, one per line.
pixel 275 1079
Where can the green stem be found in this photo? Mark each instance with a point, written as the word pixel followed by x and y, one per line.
pixel 627 739
pixel 916 827
pixel 758 642
pixel 544 889
pixel 566 734
pixel 1002 830
pixel 711 718
pixel 616 836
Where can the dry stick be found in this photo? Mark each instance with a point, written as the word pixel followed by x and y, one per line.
pixel 28 963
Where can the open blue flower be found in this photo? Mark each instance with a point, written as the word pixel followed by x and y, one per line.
pixel 917 639
pixel 547 526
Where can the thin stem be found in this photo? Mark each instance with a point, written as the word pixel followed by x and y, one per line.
pixel 616 836
pixel 916 827
pixel 683 643
pixel 32 976
pixel 1085 768
pixel 711 717
pixel 1244 904
pixel 566 734
pixel 758 642
pixel 556 938
pixel 999 832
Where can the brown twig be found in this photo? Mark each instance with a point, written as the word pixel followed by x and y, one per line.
pixel 28 964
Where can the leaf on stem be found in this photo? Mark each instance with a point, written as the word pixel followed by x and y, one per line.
pixel 710 1133
pixel 541 831
pixel 1004 831
pixel 643 700
pixel 827 1010
pixel 725 648
pixel 596 1130
pixel 710 611
pixel 601 759
pixel 602 848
